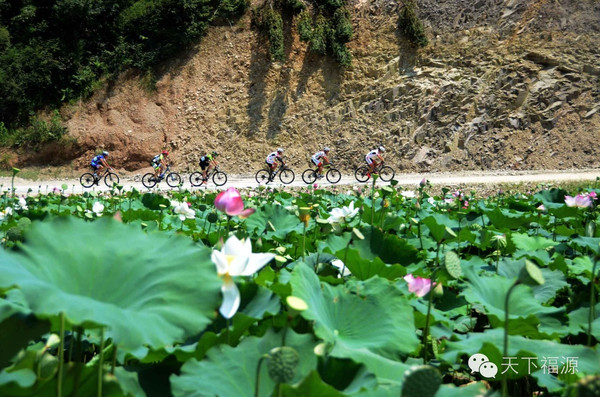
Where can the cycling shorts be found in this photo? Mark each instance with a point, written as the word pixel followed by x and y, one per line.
pixel 316 162
pixel 204 164
pixel 155 165
pixel 95 165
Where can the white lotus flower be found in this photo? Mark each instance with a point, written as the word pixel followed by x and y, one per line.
pixel 22 203
pixel 344 271
pixel 97 208
pixel 6 212
pixel 408 194
pixel 183 210
pixel 236 259
pixel 339 215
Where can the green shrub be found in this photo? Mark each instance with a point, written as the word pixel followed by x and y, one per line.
pixel 293 6
pixel 411 25
pixel 318 41
pixel 305 28
pixel 230 9
pixel 274 25
pixel 343 25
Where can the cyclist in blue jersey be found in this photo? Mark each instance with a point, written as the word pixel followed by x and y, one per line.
pixel 160 162
pixel 99 164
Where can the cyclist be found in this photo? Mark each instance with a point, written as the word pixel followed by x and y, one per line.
pixel 99 163
pixel 372 157
pixel 160 162
pixel 207 163
pixel 271 159
pixel 319 158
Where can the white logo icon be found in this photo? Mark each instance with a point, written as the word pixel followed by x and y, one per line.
pixel 480 363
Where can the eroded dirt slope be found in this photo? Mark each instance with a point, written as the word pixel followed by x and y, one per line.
pixel 502 85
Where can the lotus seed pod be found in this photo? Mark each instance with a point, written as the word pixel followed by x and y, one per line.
pixel 421 381
pixel 15 233
pixel 282 364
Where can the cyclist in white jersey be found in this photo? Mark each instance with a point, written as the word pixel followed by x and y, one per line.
pixel 372 157
pixel 319 159
pixel 275 156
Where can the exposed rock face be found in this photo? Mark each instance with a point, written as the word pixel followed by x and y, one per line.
pixel 509 84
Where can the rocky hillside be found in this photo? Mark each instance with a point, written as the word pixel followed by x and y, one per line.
pixel 503 84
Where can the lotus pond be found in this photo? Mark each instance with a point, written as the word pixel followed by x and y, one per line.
pixel 376 291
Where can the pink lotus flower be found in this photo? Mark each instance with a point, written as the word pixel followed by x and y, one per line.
pixel 230 202
pixel 419 285
pixel 579 201
pixel 592 195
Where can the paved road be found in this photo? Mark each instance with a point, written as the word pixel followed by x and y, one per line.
pixel 408 180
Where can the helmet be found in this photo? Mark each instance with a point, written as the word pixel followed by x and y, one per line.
pixel 105 153
pixel 326 149
pixel 165 152
pixel 215 154
pixel 381 149
pixel 280 150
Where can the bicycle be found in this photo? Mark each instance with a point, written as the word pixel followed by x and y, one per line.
pixel 265 176
pixel 386 173
pixel 173 178
pixel 333 175
pixel 89 179
pixel 218 177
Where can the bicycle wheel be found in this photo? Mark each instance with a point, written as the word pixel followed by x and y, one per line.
pixel 386 173
pixel 219 178
pixel 110 179
pixel 309 176
pixel 333 175
pixel 149 180
pixel 362 173
pixel 286 176
pixel 196 178
pixel 262 177
pixel 87 179
pixel 174 179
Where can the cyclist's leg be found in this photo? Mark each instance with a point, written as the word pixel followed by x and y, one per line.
pixel 370 163
pixel 156 169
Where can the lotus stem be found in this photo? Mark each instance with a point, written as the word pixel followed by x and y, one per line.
pixel 114 360
pixel 101 362
pixel 61 356
pixel 505 346
pixel 257 384
pixel 592 315
pixel 427 317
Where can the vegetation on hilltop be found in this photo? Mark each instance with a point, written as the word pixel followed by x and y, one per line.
pixel 55 51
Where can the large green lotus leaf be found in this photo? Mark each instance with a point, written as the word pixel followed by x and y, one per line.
pixel 553 195
pixel 390 248
pixel 578 321
pixel 588 243
pixel 312 385
pixel 490 343
pixel 231 371
pixel 477 389
pixel 369 322
pixel 531 243
pixel 147 289
pixel 364 268
pixel 275 219
pixel 507 219
pixel 490 291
